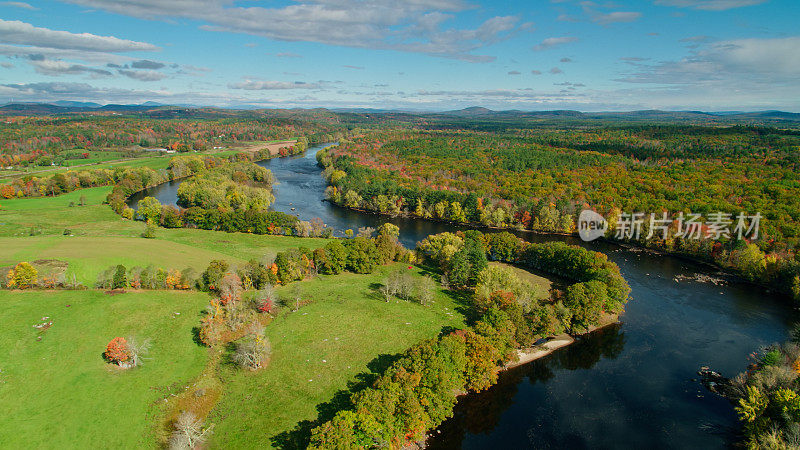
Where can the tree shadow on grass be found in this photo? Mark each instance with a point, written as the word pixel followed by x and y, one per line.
pixel 374 292
pixel 464 304
pixel 299 437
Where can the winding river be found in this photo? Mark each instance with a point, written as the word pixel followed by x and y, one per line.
pixel 632 385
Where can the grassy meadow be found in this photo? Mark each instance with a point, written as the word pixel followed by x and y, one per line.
pixel 318 350
pixel 58 392
pixel 98 238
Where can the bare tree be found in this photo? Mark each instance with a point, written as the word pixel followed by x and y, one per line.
pixel 386 291
pixel 253 350
pixel 138 349
pixel 425 289
pixel 189 432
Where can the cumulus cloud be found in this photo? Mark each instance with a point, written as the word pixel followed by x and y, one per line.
pixel 566 60
pixel 536 72
pixel 288 55
pixel 21 33
pixel 258 85
pixel 514 72
pixel 404 25
pixel 552 42
pixel 556 71
pixel 710 5
pixel 6 65
pixel 143 75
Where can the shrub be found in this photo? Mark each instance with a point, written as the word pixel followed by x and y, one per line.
pixel 213 274
pixel 252 351
pixel 149 230
pixel 120 280
pixel 22 276
pixel 118 351
pixel 230 288
pixel 336 258
pixel 362 255
pixel 189 432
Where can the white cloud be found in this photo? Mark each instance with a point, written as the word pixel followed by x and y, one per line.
pixel 53 67
pixel 554 42
pixel 143 75
pixel 22 5
pixel 21 33
pixel 710 5
pixel 257 85
pixel 615 17
pixel 403 25
pixel 757 61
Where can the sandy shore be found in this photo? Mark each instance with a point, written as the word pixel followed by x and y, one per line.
pixel 557 342
pixel 528 355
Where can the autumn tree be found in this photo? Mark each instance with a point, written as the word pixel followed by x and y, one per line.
pixel 22 276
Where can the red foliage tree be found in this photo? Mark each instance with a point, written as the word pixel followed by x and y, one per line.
pixel 117 351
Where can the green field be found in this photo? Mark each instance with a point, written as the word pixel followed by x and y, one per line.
pixel 99 238
pixel 60 393
pixel 527 277
pixel 317 350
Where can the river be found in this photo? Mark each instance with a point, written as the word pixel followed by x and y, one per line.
pixel 632 385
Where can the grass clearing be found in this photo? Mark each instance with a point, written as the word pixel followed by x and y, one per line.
pixel 60 393
pixel 526 276
pixel 317 350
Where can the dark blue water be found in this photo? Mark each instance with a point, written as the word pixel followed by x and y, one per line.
pixel 629 386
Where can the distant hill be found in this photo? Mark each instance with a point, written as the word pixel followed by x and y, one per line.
pixel 157 110
pixel 643 115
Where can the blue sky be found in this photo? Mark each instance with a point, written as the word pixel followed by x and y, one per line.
pixel 709 55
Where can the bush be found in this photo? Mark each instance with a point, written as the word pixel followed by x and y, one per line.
pixel 149 230
pixel 213 274
pixel 189 432
pixel 362 255
pixel 120 280
pixel 252 351
pixel 118 352
pixel 22 276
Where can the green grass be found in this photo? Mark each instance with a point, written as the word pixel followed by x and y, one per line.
pixel 60 393
pixel 317 350
pixel 101 238
pixel 528 277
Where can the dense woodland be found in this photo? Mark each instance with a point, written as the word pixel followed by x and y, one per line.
pixel 540 180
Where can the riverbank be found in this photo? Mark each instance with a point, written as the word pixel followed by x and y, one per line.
pixel 557 342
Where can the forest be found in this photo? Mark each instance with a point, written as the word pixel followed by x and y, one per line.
pixel 541 180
